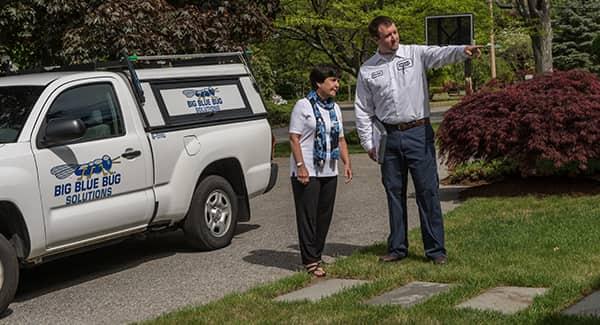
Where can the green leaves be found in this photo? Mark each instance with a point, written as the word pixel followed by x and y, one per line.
pixel 576 24
pixel 36 32
pixel 338 28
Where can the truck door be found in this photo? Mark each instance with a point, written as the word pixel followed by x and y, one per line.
pixel 98 185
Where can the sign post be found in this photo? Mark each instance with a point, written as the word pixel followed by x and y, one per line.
pixel 452 30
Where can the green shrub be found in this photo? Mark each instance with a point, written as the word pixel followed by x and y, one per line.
pixel 546 167
pixel 352 137
pixel 479 170
pixel 495 170
pixel 279 115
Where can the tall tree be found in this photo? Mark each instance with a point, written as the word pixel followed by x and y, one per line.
pixel 35 32
pixel 537 16
pixel 331 27
pixel 576 24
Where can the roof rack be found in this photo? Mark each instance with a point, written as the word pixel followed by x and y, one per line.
pixel 94 66
pixel 190 59
pixel 144 62
pixel 133 62
pixel 179 60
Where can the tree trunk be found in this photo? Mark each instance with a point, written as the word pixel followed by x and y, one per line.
pixel 536 14
pixel 541 42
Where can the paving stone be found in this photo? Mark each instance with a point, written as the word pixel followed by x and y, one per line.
pixel 328 259
pixel 507 300
pixel 588 306
pixel 410 294
pixel 320 290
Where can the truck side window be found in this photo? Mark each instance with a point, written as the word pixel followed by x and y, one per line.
pixel 95 105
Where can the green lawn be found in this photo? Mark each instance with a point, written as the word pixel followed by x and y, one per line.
pixel 550 242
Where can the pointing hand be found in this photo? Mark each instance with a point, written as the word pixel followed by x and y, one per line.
pixel 473 50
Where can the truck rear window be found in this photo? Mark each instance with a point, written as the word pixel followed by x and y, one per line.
pixel 15 105
pixel 197 101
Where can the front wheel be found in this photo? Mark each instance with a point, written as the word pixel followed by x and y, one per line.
pixel 9 273
pixel 211 221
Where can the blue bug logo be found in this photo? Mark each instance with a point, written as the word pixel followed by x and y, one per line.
pixel 204 92
pixel 189 93
pixel 97 166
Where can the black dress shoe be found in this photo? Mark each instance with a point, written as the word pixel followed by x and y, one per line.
pixel 390 258
pixel 440 260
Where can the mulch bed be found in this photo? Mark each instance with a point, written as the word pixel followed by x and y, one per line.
pixel 536 186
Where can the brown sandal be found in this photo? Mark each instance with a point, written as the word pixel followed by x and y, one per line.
pixel 315 269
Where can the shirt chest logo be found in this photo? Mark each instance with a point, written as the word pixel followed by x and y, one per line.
pixel 403 64
pixel 377 74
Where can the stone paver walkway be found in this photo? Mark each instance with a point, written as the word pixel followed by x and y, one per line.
pixel 410 294
pixel 588 306
pixel 320 290
pixel 507 300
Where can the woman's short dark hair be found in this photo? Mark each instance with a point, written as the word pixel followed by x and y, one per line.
pixel 321 72
pixel 378 21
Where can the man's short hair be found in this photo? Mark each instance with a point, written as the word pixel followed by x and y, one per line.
pixel 378 21
pixel 321 72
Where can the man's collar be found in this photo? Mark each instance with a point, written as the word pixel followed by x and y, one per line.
pixel 379 57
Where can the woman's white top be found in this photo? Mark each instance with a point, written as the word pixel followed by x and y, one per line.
pixel 303 122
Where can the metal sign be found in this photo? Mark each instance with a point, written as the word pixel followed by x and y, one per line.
pixel 449 30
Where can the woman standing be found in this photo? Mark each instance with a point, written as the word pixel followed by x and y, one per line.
pixel 317 143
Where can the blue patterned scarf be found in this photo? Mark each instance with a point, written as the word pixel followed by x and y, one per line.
pixel 320 149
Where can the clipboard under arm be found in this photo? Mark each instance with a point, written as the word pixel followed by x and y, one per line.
pixel 379 139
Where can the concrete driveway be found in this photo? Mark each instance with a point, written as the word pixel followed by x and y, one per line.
pixel 141 279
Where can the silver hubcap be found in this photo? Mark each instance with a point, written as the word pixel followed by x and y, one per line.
pixel 217 213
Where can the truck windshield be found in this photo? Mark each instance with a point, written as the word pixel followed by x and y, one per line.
pixel 15 105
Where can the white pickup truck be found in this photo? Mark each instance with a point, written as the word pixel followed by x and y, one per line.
pixel 111 150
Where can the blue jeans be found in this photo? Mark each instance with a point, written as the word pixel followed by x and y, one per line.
pixel 413 150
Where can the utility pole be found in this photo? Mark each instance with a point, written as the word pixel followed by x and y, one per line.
pixel 492 41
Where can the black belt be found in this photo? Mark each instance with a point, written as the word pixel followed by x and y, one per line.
pixel 407 125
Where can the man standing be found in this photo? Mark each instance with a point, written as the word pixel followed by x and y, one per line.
pixel 392 88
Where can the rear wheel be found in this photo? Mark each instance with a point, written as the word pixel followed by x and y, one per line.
pixel 9 273
pixel 211 221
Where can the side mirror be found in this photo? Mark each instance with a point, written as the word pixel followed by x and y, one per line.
pixel 63 130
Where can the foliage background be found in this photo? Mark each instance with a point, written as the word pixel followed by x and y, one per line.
pixel 54 32
pixel 576 25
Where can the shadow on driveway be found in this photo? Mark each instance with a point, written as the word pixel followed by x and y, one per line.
pixel 87 266
pixel 291 260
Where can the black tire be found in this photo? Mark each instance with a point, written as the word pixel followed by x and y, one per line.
pixel 211 221
pixel 9 273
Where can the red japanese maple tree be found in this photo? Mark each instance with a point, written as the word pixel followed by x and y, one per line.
pixel 553 117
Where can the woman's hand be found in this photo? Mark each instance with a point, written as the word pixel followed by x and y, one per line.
pixel 302 175
pixel 346 160
pixel 347 173
pixel 301 171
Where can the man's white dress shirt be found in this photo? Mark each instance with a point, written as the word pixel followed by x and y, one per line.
pixel 394 88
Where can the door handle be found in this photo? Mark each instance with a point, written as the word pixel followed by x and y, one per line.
pixel 130 153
